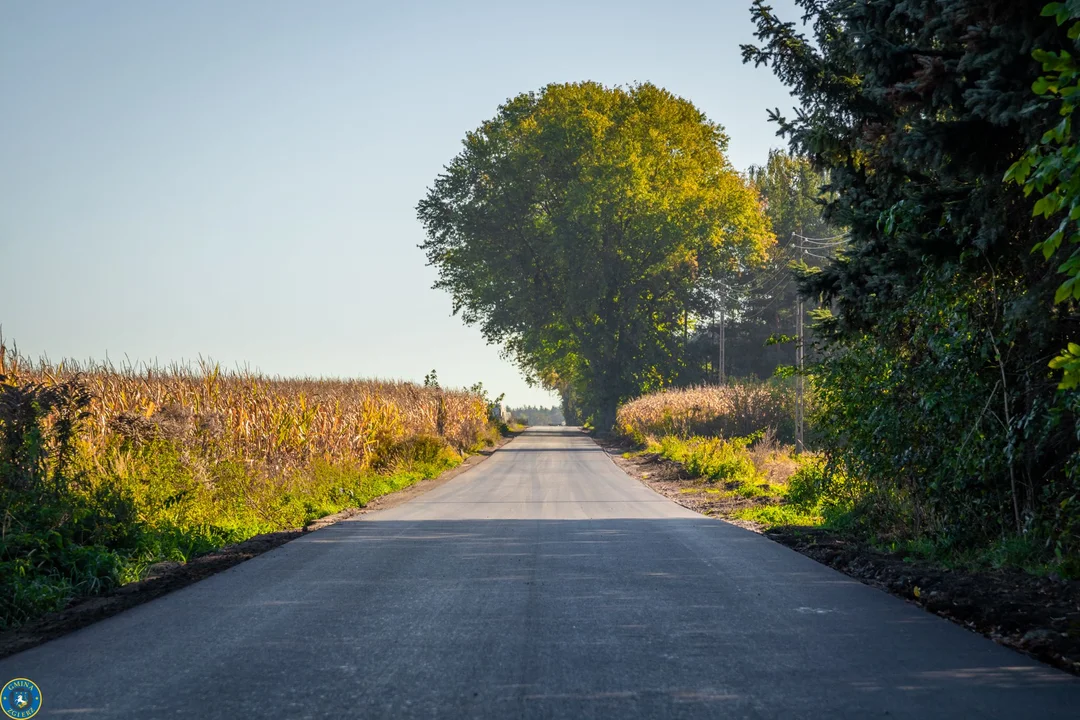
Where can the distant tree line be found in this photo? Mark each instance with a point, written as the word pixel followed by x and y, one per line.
pixel 529 415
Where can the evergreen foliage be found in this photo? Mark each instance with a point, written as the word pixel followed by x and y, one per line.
pixel 939 323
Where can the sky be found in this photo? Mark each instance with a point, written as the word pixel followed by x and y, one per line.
pixel 238 180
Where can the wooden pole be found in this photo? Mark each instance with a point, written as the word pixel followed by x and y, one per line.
pixel 722 374
pixel 799 357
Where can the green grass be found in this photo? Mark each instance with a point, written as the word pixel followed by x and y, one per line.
pixel 758 490
pixel 714 459
pixel 732 464
pixel 776 515
pixel 1027 554
pixel 143 505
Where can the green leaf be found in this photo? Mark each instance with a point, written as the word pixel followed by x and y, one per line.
pixel 1051 244
pixel 1063 293
pixel 1052 9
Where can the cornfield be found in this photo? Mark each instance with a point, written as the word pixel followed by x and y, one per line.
pixel 721 411
pixel 105 471
pixel 276 424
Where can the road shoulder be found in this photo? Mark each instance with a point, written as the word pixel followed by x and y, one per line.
pixel 1038 616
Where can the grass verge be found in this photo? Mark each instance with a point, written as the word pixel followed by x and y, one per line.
pixel 752 479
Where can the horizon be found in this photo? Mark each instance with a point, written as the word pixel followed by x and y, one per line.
pixel 240 182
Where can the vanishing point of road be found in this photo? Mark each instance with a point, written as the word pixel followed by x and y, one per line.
pixel 542 583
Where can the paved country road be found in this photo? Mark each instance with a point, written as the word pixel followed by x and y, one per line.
pixel 542 583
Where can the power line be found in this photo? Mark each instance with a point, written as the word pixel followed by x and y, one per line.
pixel 835 239
pixel 761 311
pixel 805 244
pixel 767 278
pixel 818 246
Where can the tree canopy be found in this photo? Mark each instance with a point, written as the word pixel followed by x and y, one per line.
pixel 934 386
pixel 794 193
pixel 583 229
pixel 760 304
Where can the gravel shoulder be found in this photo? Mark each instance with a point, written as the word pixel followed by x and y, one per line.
pixel 1038 616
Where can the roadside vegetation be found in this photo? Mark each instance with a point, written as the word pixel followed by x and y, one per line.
pixel 743 407
pixel 910 259
pixel 734 444
pixel 105 472
pixel 762 482
pixel 757 479
pixel 941 336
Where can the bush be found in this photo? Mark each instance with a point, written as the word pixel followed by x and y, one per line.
pixel 818 488
pixel 422 450
pixel 956 439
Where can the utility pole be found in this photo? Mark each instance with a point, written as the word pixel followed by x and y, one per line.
pixel 722 374
pixel 817 248
pixel 721 350
pixel 799 444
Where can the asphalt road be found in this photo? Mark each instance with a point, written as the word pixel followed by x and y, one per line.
pixel 542 583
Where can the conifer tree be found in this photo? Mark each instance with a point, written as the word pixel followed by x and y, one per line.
pixel 934 384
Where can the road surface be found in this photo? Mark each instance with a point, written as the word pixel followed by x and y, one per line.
pixel 543 583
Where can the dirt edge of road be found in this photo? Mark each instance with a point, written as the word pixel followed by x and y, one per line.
pixel 166 577
pixel 1037 616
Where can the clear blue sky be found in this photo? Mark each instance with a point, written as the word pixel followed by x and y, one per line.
pixel 238 179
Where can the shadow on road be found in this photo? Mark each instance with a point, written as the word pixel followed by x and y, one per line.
pixel 619 617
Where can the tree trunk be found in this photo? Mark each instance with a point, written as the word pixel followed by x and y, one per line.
pixel 605 416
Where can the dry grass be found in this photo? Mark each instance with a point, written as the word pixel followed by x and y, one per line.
pixel 726 411
pixel 277 424
pixel 774 461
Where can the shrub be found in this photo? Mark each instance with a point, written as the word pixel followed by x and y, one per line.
pixel 421 450
pixel 715 459
pixel 819 488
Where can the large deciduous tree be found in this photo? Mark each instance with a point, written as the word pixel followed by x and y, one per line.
pixel 581 228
